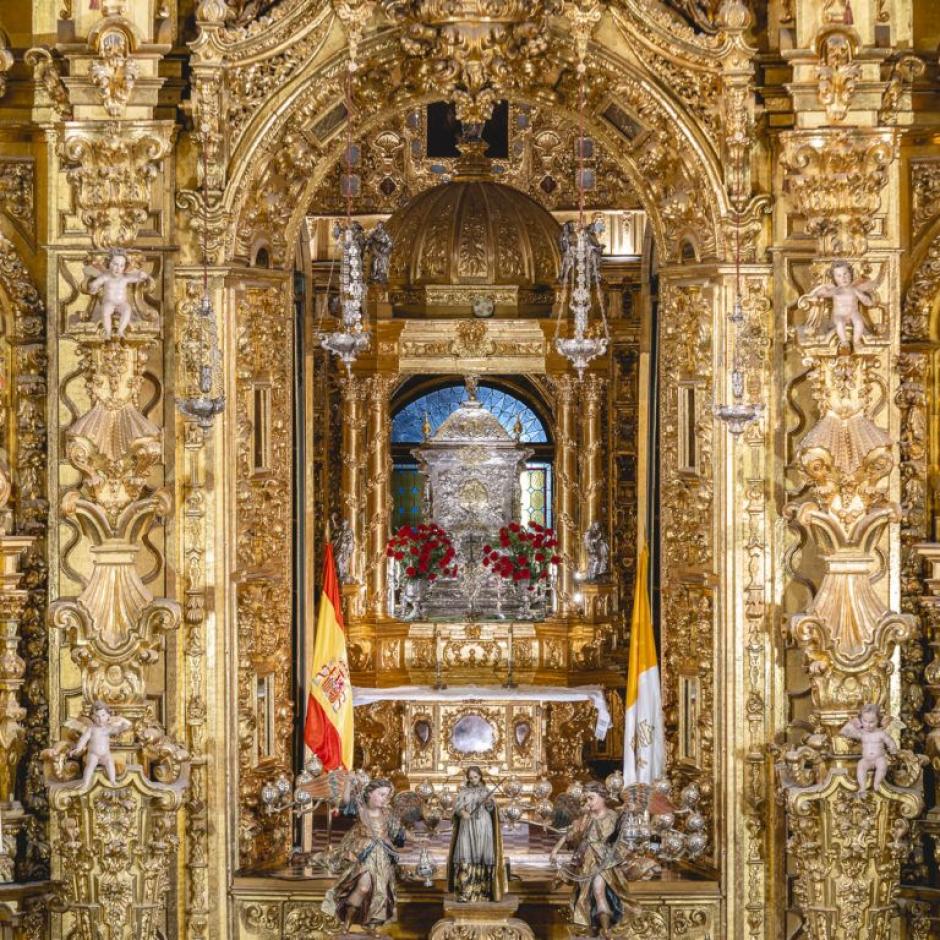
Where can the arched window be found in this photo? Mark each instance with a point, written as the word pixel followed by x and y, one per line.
pixel 435 406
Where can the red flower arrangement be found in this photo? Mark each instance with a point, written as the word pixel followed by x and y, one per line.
pixel 525 553
pixel 425 550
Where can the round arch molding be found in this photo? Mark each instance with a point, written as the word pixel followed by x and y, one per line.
pixel 280 144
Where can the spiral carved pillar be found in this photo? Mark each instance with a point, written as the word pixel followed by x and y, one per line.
pixel 566 474
pixel 378 505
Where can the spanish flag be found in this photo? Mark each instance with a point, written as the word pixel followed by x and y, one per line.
pixel 328 730
pixel 644 748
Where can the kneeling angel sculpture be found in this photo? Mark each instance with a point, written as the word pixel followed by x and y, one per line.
pixel 366 860
pixel 599 871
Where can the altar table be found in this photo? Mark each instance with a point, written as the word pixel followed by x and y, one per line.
pixel 476 693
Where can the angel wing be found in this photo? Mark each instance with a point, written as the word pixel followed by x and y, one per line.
pixel 814 305
pixel 407 806
pixel 329 787
pixel 77 725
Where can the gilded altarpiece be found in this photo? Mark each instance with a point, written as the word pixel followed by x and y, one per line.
pixel 159 598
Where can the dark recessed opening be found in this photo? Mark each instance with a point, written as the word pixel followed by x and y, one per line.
pixel 444 131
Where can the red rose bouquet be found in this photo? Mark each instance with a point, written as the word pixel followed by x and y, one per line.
pixel 425 552
pixel 526 553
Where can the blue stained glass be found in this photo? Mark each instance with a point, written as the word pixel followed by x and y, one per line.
pixel 441 402
pixel 407 486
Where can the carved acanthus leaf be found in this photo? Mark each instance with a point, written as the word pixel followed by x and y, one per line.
pixel 835 182
pixel 111 171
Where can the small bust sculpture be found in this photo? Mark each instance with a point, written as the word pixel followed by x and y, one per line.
pixel 109 286
pixel 869 728
pixel 95 742
pixel 598 552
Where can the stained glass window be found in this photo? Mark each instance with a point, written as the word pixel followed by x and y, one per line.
pixel 441 402
pixel 408 506
pixel 536 485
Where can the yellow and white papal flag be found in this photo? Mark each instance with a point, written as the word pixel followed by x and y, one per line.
pixel 644 749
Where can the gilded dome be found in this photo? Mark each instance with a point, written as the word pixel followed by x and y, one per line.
pixel 473 239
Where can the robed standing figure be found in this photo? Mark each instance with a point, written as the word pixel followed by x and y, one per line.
pixel 475 869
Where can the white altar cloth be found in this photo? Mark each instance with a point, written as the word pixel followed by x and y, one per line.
pixel 479 693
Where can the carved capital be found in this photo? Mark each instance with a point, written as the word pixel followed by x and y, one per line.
pixel 835 182
pixel 111 169
pixel 848 852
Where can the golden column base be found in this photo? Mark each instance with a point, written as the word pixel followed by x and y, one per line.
pixel 481 920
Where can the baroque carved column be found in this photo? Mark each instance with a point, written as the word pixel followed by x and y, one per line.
pixel 596 586
pixel 109 238
pixel 838 165
pixel 351 480
pixel 566 499
pixel 13 600
pixel 929 553
pixel 378 506
pixel 593 481
pixel 114 630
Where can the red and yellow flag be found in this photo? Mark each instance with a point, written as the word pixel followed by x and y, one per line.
pixel 328 730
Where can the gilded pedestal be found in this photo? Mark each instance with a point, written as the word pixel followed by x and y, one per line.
pixel 481 920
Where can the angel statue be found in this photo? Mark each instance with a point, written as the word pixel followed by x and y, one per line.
pixel 364 892
pixel 95 742
pixel 568 244
pixel 475 869
pixel 597 551
pixel 380 246
pixel 869 729
pixel 343 546
pixel 595 250
pixel 110 288
pixel 598 872
pixel 848 296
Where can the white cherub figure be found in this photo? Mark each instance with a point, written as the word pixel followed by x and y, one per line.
pixel 847 296
pixel 876 745
pixel 96 742
pixel 110 287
